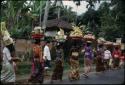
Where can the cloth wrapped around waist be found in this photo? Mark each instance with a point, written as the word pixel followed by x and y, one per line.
pixel 75 55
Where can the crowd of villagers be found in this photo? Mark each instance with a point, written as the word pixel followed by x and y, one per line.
pixel 103 56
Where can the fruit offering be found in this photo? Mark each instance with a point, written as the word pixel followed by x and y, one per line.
pixel 60 36
pixel 77 32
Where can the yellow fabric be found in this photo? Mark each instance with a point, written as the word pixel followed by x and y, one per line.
pixel 3 29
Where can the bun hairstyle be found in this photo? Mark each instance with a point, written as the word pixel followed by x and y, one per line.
pixel 58 45
pixel 47 41
pixel 101 45
pixel 37 41
pixel 8 41
pixel 11 49
pixel 116 48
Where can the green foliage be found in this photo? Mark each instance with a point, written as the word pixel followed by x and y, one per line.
pixel 112 21
pixel 107 21
pixel 23 33
pixel 24 68
pixel 66 13
pixel 19 16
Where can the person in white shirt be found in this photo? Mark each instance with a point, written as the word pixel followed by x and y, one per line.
pixel 107 57
pixel 47 55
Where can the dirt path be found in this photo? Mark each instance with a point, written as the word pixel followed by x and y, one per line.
pixel 24 78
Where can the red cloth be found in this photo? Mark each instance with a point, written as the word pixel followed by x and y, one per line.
pixel 122 58
pixel 37 36
pixel 33 68
pixel 116 54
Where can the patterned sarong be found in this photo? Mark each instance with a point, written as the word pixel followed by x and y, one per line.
pixel 7 73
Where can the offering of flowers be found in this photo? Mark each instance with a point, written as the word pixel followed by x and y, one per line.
pixel 108 43
pixel 101 40
pixel 37 32
pixel 77 32
pixel 60 36
pixel 89 37
pixel 116 44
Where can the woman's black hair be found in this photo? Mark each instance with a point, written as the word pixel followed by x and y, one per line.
pixel 108 48
pixel 88 44
pixel 123 51
pixel 100 46
pixel 116 48
pixel 37 41
pixel 11 47
pixel 58 46
pixel 47 41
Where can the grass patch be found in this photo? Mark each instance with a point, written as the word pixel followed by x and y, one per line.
pixel 23 68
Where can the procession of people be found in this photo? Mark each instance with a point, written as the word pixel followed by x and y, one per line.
pixel 41 58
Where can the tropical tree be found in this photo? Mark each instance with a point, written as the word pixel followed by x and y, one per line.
pixel 90 18
pixel 58 5
pixel 10 12
pixel 67 14
pixel 46 14
pixel 118 13
pixel 112 18
pixel 20 15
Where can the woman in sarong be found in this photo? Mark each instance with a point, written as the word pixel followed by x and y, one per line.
pixel 37 63
pixel 7 72
pixel 116 57
pixel 89 56
pixel 58 69
pixel 74 65
pixel 99 59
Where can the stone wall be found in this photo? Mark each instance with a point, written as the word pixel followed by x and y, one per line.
pixel 22 47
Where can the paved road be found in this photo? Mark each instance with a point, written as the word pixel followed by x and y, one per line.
pixel 109 77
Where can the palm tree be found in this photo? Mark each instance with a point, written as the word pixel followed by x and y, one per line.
pixel 58 4
pixel 68 14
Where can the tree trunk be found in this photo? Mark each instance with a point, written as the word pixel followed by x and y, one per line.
pixel 17 16
pixel 59 13
pixel 40 13
pixel 46 14
pixel 1 53
pixel 59 4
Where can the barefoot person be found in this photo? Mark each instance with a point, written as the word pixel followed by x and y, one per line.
pixel 8 58
pixel 47 56
pixel 107 57
pixel 74 65
pixel 116 57
pixel 88 59
pixel 99 59
pixel 37 74
pixel 58 70
pixel 122 59
pixel 7 72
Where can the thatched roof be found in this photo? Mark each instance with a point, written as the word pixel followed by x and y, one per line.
pixel 58 23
